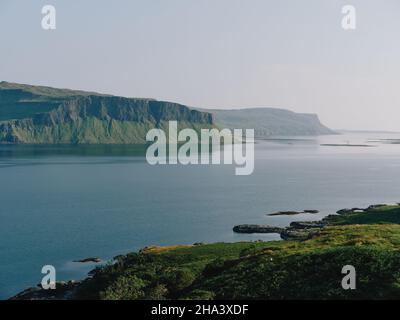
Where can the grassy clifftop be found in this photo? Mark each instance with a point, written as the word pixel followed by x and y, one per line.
pixel 43 115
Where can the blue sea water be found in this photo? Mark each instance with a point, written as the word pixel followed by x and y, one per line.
pixel 62 203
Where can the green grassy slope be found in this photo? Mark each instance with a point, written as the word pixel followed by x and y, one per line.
pixel 309 269
pixel 379 215
pixel 48 92
pixel 20 101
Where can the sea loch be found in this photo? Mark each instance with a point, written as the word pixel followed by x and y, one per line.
pixel 63 203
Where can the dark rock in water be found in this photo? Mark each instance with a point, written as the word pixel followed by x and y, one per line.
pixel 91 259
pixel 352 211
pixel 256 228
pixel 311 211
pixel 292 213
pixel 285 213
pixel 63 291
pixel 307 224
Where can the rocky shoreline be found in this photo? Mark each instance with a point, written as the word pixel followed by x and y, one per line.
pixel 297 230
pixel 301 230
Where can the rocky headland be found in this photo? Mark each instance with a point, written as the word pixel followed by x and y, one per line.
pixel 368 237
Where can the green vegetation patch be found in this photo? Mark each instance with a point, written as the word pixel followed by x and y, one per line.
pixel 259 270
pixel 379 215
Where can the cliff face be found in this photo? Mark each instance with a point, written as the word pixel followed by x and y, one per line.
pixel 114 108
pixel 40 115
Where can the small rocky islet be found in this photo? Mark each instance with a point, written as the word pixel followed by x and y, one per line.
pixel 256 228
pixel 302 230
pixel 292 213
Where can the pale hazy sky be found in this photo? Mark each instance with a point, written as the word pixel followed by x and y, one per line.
pixel 292 54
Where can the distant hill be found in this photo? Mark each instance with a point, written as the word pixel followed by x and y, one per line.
pixel 44 115
pixel 271 122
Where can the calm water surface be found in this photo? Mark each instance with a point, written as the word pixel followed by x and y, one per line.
pixel 58 204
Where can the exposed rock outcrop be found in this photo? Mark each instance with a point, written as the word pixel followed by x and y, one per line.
pixel 256 228
pixel 292 213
